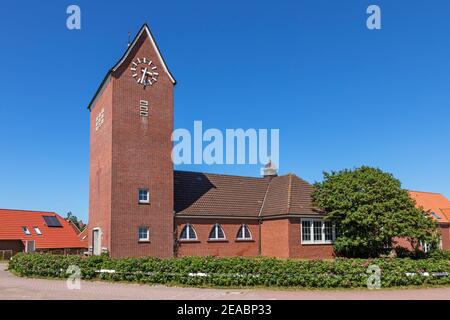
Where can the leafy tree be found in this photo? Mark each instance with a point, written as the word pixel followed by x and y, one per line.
pixel 77 222
pixel 370 210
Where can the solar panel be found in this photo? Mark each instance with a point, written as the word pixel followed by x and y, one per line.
pixel 52 221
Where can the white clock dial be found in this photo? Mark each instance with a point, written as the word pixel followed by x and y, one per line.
pixel 144 71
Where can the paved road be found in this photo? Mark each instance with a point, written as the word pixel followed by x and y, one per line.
pixel 12 287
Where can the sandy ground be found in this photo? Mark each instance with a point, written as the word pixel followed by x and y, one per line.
pixel 12 288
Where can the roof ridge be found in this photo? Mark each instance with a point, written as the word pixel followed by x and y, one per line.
pixel 220 174
pixel 288 208
pixel 264 199
pixel 424 192
pixel 25 210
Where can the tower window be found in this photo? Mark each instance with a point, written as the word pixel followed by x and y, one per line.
pixel 143 108
pixel 144 196
pixel 143 234
pixel 99 119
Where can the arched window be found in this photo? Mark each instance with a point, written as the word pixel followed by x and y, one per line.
pixel 244 233
pixel 217 233
pixel 188 233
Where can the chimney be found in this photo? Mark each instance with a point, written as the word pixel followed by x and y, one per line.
pixel 269 170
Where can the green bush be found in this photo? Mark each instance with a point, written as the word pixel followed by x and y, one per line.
pixel 240 272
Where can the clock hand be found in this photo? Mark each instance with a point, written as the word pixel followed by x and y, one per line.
pixel 144 73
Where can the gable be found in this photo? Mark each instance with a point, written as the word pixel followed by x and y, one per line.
pixel 143 32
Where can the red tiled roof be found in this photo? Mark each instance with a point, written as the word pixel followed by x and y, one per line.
pixel 12 221
pixel 206 194
pixel 433 202
pixel 83 236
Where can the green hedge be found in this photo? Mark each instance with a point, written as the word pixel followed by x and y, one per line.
pixel 201 271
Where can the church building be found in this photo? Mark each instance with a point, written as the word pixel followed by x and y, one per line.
pixel 139 206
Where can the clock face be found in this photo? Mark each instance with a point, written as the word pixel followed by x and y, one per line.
pixel 144 71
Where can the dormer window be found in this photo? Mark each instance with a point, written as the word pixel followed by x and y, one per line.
pixel 26 231
pixel 38 231
pixel 436 216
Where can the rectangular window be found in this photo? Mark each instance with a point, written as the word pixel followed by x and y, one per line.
pixel 37 230
pixel 143 234
pixel 306 230
pixel 317 231
pixel 144 196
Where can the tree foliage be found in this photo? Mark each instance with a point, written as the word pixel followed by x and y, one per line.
pixel 371 210
pixel 77 222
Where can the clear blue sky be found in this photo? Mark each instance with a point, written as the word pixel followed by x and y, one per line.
pixel 341 95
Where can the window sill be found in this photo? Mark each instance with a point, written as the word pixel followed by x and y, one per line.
pixel 143 241
pixel 189 241
pixel 217 240
pixel 144 203
pixel 316 243
pixel 245 240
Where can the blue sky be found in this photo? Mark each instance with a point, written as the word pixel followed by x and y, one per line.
pixel 341 95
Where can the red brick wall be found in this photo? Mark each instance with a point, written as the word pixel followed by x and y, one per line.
pixel 135 152
pixel 100 169
pixel 306 251
pixel 230 247
pixel 275 238
pixel 445 234
pixel 142 159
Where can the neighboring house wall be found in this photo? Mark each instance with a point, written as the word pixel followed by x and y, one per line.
pixel 14 246
pixel 229 247
pixel 445 236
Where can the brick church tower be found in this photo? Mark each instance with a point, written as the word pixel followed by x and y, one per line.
pixel 131 171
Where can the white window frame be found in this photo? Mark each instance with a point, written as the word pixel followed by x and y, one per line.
pixel 38 231
pixel 26 230
pixel 216 233
pixel 147 238
pixel 188 228
pixel 322 240
pixel 139 195
pixel 243 233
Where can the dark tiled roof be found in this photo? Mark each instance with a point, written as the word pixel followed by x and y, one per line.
pixel 206 194
pixel 288 195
